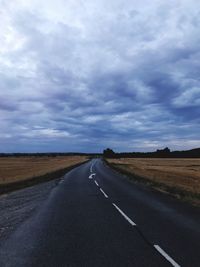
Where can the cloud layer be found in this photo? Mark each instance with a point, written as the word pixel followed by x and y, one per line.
pixel 85 75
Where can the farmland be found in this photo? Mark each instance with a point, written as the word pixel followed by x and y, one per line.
pixel 15 169
pixel 182 176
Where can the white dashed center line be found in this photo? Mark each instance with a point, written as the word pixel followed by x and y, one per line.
pixel 96 183
pixel 166 256
pixel 158 248
pixel 103 193
pixel 91 169
pixel 124 215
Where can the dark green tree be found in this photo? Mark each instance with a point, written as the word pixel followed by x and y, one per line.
pixel 109 153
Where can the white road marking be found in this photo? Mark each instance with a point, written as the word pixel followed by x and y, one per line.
pixel 96 183
pixel 124 215
pixel 103 193
pixel 158 248
pixel 166 256
pixel 91 175
pixel 91 168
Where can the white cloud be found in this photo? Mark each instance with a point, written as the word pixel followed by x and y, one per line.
pixel 189 98
pixel 96 67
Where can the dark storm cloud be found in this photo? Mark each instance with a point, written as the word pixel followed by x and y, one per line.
pixel 79 76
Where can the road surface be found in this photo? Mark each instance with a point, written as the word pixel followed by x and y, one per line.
pixel 96 217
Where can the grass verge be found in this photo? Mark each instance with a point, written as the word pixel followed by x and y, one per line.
pixel 9 187
pixel 175 191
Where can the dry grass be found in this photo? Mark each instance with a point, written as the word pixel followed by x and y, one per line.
pixel 183 174
pixel 14 169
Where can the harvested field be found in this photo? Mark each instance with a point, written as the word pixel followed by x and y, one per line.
pixel 183 175
pixel 16 169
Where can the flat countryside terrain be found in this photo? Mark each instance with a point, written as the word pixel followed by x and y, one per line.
pixel 14 169
pixel 103 220
pixel 180 175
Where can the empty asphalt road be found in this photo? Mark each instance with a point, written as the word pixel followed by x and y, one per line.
pixel 96 217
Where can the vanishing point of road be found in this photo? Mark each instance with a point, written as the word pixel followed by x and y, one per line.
pixel 96 217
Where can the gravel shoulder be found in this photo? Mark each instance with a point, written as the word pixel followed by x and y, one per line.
pixel 18 206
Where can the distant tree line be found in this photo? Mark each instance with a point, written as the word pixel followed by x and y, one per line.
pixel 53 154
pixel 160 153
pixel 109 153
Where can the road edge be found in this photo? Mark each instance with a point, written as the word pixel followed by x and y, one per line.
pixel 184 196
pixel 7 188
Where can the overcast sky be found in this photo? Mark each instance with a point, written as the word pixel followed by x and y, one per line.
pixel 83 75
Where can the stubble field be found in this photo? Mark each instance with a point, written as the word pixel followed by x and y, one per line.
pixel 180 175
pixel 15 169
